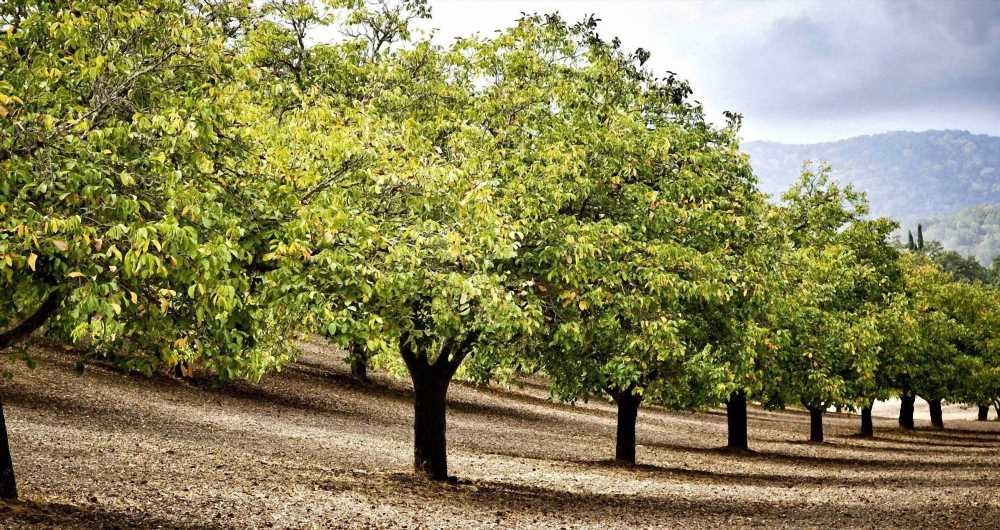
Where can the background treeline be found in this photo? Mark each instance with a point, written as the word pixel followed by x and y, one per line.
pixel 187 185
pixel 973 231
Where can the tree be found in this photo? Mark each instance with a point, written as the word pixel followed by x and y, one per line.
pixel 973 307
pixel 934 369
pixel 824 321
pixel 876 296
pixel 621 254
pixel 322 88
pixel 132 226
pixel 407 251
pixel 965 269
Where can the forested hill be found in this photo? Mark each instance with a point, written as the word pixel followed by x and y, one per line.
pixel 939 177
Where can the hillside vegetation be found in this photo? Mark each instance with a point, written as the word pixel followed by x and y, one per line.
pixel 972 231
pixel 948 180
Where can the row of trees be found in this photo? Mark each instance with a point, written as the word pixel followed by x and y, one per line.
pixel 192 182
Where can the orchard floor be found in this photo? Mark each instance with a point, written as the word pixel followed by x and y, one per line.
pixel 309 448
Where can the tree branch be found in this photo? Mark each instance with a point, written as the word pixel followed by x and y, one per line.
pixel 23 330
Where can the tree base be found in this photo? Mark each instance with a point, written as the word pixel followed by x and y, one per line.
pixel 737 451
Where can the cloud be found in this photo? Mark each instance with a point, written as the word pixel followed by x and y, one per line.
pixel 802 70
pixel 857 61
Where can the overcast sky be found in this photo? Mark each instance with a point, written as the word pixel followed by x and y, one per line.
pixel 800 71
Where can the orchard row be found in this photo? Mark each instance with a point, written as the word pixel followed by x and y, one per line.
pixel 190 184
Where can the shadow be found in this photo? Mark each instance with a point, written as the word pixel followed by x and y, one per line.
pixel 60 515
pixel 878 445
pixel 946 435
pixel 60 411
pixel 639 510
pixel 386 388
pixel 820 461
pixel 378 385
pixel 895 437
pixel 780 479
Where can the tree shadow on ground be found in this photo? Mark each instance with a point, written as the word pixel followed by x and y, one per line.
pixel 763 479
pixel 820 461
pixel 947 435
pixel 383 387
pixel 880 444
pixel 61 515
pixel 639 510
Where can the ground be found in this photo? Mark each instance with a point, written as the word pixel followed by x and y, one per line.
pixel 310 448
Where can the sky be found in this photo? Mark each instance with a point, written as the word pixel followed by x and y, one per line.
pixel 799 71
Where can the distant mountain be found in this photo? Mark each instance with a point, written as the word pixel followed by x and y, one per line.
pixel 943 178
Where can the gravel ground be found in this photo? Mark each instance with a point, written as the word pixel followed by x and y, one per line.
pixel 310 448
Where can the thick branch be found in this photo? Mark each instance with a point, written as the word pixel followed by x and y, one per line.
pixel 23 330
pixel 462 351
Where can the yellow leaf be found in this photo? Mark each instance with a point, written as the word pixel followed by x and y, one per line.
pixel 116 308
pixel 3 111
pixel 31 261
pixel 134 297
pixel 164 305
pixel 583 305
pixel 60 244
pixel 75 274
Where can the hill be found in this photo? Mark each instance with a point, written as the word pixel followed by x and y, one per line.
pixel 972 231
pixel 311 448
pixel 942 178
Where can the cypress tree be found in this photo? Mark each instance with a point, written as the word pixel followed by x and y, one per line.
pixel 911 245
pixel 920 237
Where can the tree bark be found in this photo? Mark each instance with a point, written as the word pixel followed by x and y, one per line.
pixel 359 363
pixel 937 420
pixel 867 427
pixel 736 418
pixel 628 412
pixel 906 410
pixel 430 394
pixel 815 424
pixel 8 483
pixel 984 412
pixel 430 444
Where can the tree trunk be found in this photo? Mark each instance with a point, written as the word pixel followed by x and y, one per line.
pixel 906 410
pixel 430 449
pixel 8 484
pixel 815 424
pixel 628 411
pixel 736 417
pixel 430 394
pixel 867 427
pixel 984 412
pixel 359 363
pixel 936 418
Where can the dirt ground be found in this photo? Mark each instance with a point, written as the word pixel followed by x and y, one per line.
pixel 310 448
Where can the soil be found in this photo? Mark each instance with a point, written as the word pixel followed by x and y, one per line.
pixel 311 448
